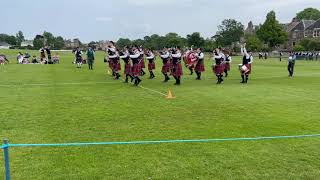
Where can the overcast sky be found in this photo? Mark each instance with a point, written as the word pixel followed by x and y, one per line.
pixel 111 19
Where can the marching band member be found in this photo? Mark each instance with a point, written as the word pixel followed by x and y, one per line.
pixel 165 56
pixel 142 63
pixel 136 68
pixel 200 64
pixel 246 64
pixel 176 65
pixel 187 58
pixel 218 68
pixel 110 51
pixel 78 56
pixel 227 64
pixel 3 59
pixel 291 62
pixel 151 64
pixel 125 56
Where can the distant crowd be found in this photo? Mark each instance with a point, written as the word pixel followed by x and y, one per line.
pixel 45 57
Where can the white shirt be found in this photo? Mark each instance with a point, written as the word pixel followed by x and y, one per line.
pixel 150 56
pixel 165 56
pixel 245 53
pixel 177 55
pixel 201 55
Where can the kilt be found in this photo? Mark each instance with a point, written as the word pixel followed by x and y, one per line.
pixel 166 67
pixel 142 64
pixel 79 59
pixel 227 66
pixel 136 69
pixel 116 66
pixel 218 69
pixel 151 66
pixel 199 67
pixel 177 70
pixel 127 69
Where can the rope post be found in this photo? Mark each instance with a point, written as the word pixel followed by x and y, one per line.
pixel 6 158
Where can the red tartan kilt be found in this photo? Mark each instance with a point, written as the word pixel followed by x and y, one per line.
pixel 218 69
pixel 177 70
pixel 142 64
pixel 199 67
pixel 116 66
pixel 166 68
pixel 151 66
pixel 227 66
pixel 127 69
pixel 136 69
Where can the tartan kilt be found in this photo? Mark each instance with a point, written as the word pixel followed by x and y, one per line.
pixel 136 69
pixel 218 69
pixel 142 64
pixel 177 70
pixel 199 67
pixel 166 68
pixel 116 66
pixel 151 66
pixel 227 66
pixel 127 69
pixel 79 59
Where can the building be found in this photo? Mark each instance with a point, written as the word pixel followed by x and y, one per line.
pixel 251 29
pixel 297 30
pixel 27 43
pixel 4 45
pixel 72 44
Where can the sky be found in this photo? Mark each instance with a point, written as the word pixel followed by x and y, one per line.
pixel 111 19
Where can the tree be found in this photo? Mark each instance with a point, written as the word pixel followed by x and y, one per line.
pixel 122 42
pixel 49 38
pixel 309 14
pixel 8 39
pixel 38 42
pixel 310 44
pixel 195 39
pixel 58 42
pixel 20 38
pixel 229 31
pixel 209 45
pixel 254 43
pixel 271 32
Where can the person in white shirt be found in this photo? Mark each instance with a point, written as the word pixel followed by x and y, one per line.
pixel 136 69
pixel 151 63
pixel 291 62
pixel 177 71
pixel 218 68
pixel 200 63
pixel 165 56
pixel 246 66
pixel 227 65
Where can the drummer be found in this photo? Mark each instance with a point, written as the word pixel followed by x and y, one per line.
pixel 245 68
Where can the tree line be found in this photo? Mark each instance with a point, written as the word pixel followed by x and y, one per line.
pixel 230 34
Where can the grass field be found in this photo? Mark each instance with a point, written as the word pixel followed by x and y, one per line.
pixel 60 103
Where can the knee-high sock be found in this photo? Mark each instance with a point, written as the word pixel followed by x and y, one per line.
pixel 247 77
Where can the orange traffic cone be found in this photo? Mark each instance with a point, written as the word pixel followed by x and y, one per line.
pixel 170 95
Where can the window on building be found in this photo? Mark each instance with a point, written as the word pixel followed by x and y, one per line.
pixel 316 32
pixel 294 35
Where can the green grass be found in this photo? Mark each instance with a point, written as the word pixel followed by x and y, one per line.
pixel 55 112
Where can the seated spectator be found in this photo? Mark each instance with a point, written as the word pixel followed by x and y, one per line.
pixel 20 58
pixel 56 59
pixel 34 60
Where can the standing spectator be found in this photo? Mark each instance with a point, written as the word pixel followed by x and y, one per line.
pixel 281 56
pixel 265 55
pixel 317 55
pixel 291 63
pixel 48 50
pixel 90 57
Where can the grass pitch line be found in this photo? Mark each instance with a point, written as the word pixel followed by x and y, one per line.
pixel 152 90
pixel 50 84
pixel 162 141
